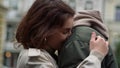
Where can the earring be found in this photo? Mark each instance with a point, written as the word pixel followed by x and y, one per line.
pixel 45 40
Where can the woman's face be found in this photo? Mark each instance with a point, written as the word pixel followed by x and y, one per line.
pixel 61 34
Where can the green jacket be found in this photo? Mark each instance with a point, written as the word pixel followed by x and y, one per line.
pixel 76 49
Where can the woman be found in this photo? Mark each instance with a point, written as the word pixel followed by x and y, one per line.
pixel 44 29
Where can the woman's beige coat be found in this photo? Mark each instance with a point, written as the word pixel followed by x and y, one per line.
pixel 36 58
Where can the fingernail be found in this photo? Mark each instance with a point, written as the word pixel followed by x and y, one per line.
pixel 93 32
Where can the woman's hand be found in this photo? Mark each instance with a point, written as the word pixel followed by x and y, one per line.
pixel 97 43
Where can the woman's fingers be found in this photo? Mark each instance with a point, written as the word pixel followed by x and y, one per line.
pixel 99 38
pixel 93 36
pixel 92 40
pixel 107 43
pixel 97 43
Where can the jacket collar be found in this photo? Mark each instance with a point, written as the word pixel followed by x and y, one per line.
pixel 34 52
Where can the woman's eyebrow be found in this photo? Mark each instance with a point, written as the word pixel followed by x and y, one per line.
pixel 67 28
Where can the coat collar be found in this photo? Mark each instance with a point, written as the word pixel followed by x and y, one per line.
pixel 34 52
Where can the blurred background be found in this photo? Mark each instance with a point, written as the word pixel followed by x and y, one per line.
pixel 12 11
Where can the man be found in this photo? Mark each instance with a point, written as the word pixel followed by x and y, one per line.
pixel 76 48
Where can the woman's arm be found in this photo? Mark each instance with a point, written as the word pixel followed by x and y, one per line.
pixel 92 61
pixel 99 49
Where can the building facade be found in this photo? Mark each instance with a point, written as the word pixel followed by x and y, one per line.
pixel 2 31
pixel 16 10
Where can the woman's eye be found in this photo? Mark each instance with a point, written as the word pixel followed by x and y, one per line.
pixel 65 32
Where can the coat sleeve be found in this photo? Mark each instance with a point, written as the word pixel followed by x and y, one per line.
pixel 92 61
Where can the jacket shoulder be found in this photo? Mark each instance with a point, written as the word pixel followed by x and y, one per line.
pixel 83 33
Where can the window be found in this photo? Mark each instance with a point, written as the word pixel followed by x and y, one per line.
pixel 14 4
pixel 88 5
pixel 117 15
pixel 72 3
pixel 10 32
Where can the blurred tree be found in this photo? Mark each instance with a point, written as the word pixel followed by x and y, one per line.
pixel 117 52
